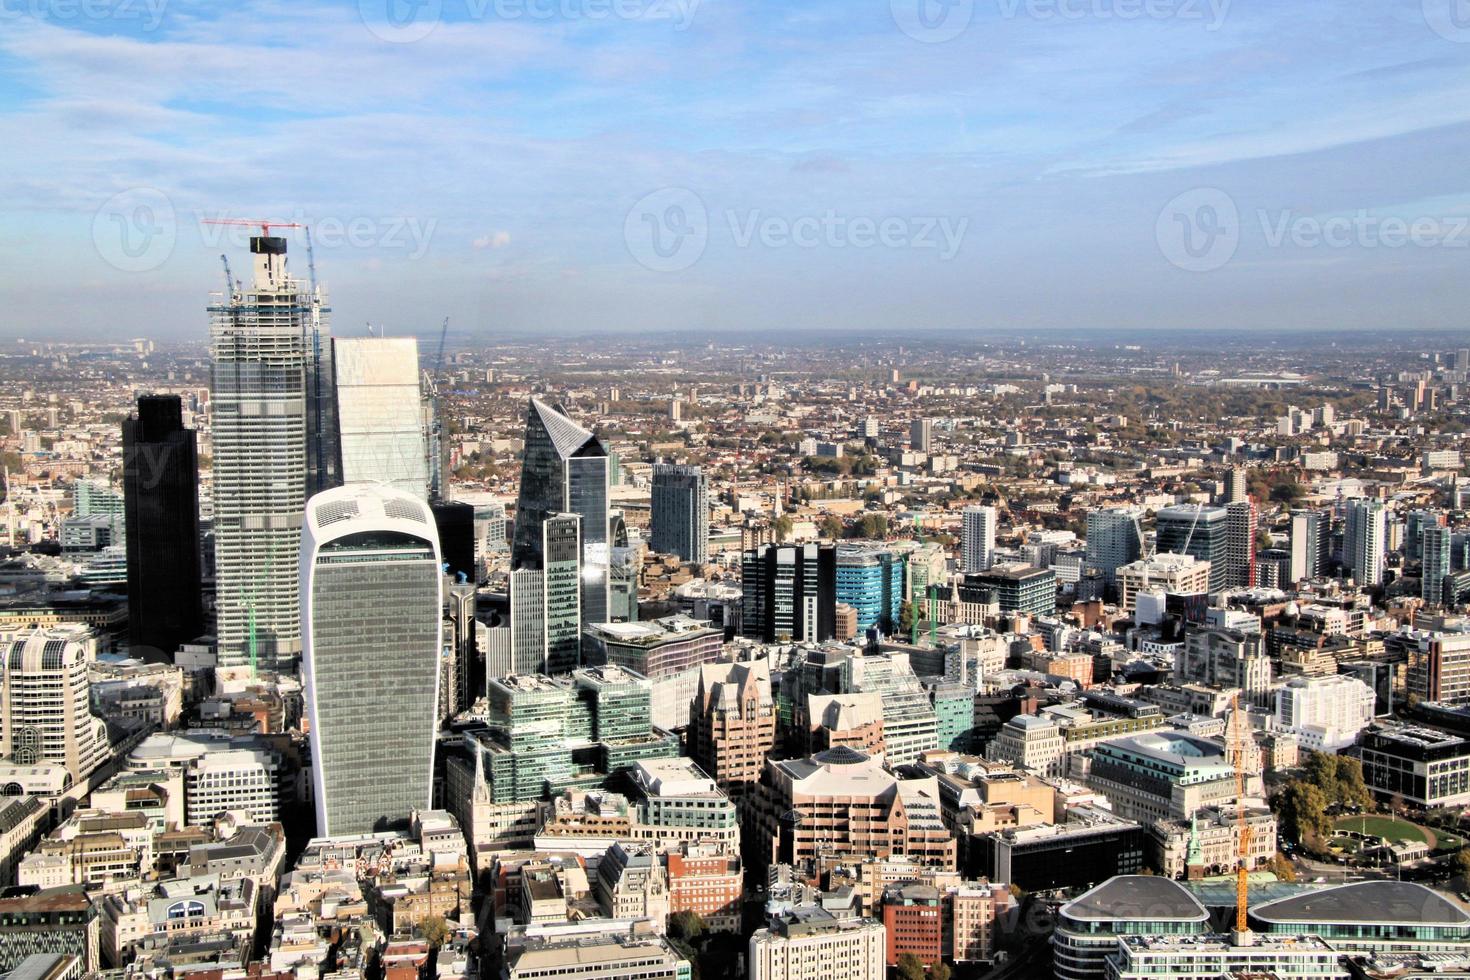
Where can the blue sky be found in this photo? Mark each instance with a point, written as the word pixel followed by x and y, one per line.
pixel 708 165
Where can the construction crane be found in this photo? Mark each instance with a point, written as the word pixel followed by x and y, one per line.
pixel 263 224
pixel 436 425
pixel 1237 757
pixel 231 285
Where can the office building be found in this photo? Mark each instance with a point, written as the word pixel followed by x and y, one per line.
pixel 1240 544
pixel 1226 658
pixel 561 550
pixel 271 433
pixel 237 780
pixel 565 471
pixel 1114 539
pixel 1324 713
pixel 161 495
pixel 45 711
pixel 732 724
pixel 977 538
pixel 52 921
pixel 921 435
pixel 1366 917
pixel 455 524
pixel 1439 667
pixel 1310 535
pixel 1434 549
pixel 1031 743
pixel 845 802
pixel 593 950
pixel 1168 573
pixel 810 943
pixel 680 512
pixel 1199 531
pixel 657 649
pixel 1017 587
pixel 1088 927
pixel 870 582
pixel 1162 775
pixel 1090 846
pixel 1363 542
pixel 372 604
pixel 1423 767
pixel 789 591
pixel 527 654
pixel 1237 490
pixel 379 418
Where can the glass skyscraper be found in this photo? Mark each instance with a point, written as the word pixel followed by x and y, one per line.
pixel 271 427
pixel 372 604
pixel 379 416
pixel 680 512
pixel 565 471
pixel 1200 532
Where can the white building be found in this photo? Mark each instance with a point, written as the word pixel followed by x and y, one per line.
pixel 237 780
pixel 45 712
pixel 1030 742
pixel 1324 713
pixel 1363 541
pixel 1181 574
pixel 809 943
pixel 978 538
pixel 379 415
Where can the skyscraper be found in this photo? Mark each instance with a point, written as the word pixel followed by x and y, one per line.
pixel 978 538
pixel 379 417
pixel 1199 531
pixel 371 601
pixel 790 591
pixel 1435 551
pixel 680 512
pixel 1240 543
pixel 1309 534
pixel 1363 540
pixel 921 435
pixel 1113 539
pixel 561 549
pixel 161 496
pixel 272 435
pixel 565 471
pixel 1235 486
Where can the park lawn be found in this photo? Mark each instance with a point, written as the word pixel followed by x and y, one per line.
pixel 1386 827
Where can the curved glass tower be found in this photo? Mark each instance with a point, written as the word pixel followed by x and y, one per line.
pixel 371 604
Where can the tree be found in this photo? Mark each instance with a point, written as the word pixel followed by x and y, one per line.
pixel 1460 864
pixel 1288 493
pixel 1280 866
pixel 832 527
pixel 1301 811
pixel 686 924
pixel 783 527
pixel 910 967
pixel 941 971
pixel 434 930
pixel 1350 786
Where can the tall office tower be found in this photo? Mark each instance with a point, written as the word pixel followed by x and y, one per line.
pixel 1114 539
pixel 871 427
pixel 921 435
pixel 1199 531
pixel 272 437
pixel 978 542
pixel 1240 543
pixel 789 591
pixel 561 550
pixel 680 514
pixel 566 470
pixel 1362 541
pixel 456 525
pixel 1435 556
pixel 1235 486
pixel 1309 533
pixel 527 623
pixel 161 494
pixel 372 605
pixel 45 715
pixel 870 580
pixel 379 422
pixel 1414 524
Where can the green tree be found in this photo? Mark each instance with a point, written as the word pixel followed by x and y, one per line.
pixel 1288 493
pixel 687 925
pixel 783 527
pixel 1280 866
pixel 1350 786
pixel 1460 864
pixel 906 618
pixel 1301 811
pixel 832 527
pixel 941 971
pixel 434 930
pixel 910 967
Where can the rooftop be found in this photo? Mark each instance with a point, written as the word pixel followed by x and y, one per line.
pixel 1145 897
pixel 1377 902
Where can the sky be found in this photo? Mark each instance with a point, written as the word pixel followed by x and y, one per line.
pixel 530 167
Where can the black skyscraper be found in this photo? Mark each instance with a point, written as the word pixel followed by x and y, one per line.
pixel 161 498
pixel 456 524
